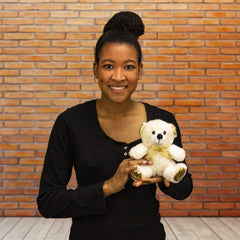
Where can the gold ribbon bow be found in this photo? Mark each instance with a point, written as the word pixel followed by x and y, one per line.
pixel 155 149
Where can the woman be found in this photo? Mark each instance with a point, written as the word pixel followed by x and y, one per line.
pixel 95 138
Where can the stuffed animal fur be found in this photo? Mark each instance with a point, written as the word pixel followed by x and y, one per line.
pixel 157 145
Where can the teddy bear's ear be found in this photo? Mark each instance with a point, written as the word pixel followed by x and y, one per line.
pixel 141 128
pixel 174 130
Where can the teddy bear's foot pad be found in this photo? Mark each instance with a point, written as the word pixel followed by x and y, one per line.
pixel 179 174
pixel 136 175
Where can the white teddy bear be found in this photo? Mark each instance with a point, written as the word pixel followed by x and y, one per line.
pixel 157 145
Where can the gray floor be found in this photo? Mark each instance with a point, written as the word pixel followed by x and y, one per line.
pixel 177 228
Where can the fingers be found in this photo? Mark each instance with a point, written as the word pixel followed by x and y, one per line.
pixel 153 179
pixel 167 183
pixel 139 162
pixel 147 181
pixel 130 164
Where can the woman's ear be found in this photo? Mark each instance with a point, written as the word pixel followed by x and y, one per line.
pixel 140 71
pixel 95 70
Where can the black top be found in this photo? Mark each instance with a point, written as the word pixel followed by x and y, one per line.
pixel 78 140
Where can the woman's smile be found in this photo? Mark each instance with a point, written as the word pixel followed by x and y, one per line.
pixel 118 89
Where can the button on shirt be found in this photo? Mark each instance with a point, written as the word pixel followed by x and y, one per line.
pixel 125 153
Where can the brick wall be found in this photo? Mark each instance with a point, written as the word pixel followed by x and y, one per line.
pixel 191 59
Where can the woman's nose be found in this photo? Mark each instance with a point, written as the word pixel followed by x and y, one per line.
pixel 118 75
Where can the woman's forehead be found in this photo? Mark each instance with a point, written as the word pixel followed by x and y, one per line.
pixel 118 51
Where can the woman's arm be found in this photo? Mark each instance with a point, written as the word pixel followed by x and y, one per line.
pixel 54 199
pixel 179 191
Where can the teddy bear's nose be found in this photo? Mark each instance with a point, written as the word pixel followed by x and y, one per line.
pixel 159 136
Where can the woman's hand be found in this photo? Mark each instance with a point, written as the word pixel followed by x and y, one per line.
pixel 121 176
pixel 146 181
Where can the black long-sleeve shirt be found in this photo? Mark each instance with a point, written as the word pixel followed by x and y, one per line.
pixel 78 140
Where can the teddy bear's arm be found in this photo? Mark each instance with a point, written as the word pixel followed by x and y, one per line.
pixel 138 151
pixel 177 153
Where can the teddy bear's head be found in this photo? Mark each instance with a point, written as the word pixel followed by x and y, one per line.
pixel 157 132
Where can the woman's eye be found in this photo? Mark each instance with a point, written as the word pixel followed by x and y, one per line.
pixel 129 67
pixel 108 66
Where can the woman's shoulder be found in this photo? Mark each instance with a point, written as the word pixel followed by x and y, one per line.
pixel 79 111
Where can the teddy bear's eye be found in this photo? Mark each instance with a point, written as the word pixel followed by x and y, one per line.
pixel 153 132
pixel 164 132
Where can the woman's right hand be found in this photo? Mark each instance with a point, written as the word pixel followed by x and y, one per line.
pixel 121 176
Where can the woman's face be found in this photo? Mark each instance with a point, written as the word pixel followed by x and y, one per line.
pixel 117 71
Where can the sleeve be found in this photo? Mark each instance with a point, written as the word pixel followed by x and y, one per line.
pixel 183 189
pixel 54 199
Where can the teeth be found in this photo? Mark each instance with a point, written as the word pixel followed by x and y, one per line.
pixel 117 88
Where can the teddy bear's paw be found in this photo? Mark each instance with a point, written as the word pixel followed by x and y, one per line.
pixel 179 174
pixel 136 175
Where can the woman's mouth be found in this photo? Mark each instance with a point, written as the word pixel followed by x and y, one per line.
pixel 118 88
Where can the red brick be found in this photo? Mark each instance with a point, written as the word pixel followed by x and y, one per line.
pixel 204 213
pixel 28 206
pixel 220 14
pixel 9 161
pixel 18 51
pixel 35 43
pixel 25 184
pixel 50 80
pixel 50 36
pixel 50 21
pixel 18 36
pixel 18 139
pixel 9 176
pixel 19 213
pixel 8 205
pixel 19 154
pixel 207 183
pixel 222 191
pixel 189 206
pixel 223 177
pixel 230 198
pixel 48 7
pixel 229 213
pixel 50 51
pixel 19 80
pixel 205 139
pixel 30 176
pixel 6 14
pixel 204 7
pixel 216 205
pixel 171 213
pixel 220 43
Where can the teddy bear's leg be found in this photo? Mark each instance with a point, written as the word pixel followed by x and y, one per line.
pixel 142 172
pixel 175 172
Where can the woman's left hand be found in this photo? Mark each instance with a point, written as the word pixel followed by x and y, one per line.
pixel 147 181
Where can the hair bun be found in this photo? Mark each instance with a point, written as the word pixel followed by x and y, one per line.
pixel 123 21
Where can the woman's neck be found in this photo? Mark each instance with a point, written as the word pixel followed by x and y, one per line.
pixel 109 109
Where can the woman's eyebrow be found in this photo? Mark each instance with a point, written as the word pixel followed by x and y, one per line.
pixel 111 60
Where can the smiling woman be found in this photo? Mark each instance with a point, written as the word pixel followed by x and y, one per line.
pixel 95 137
pixel 117 72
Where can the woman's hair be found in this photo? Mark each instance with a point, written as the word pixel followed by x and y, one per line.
pixel 123 27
